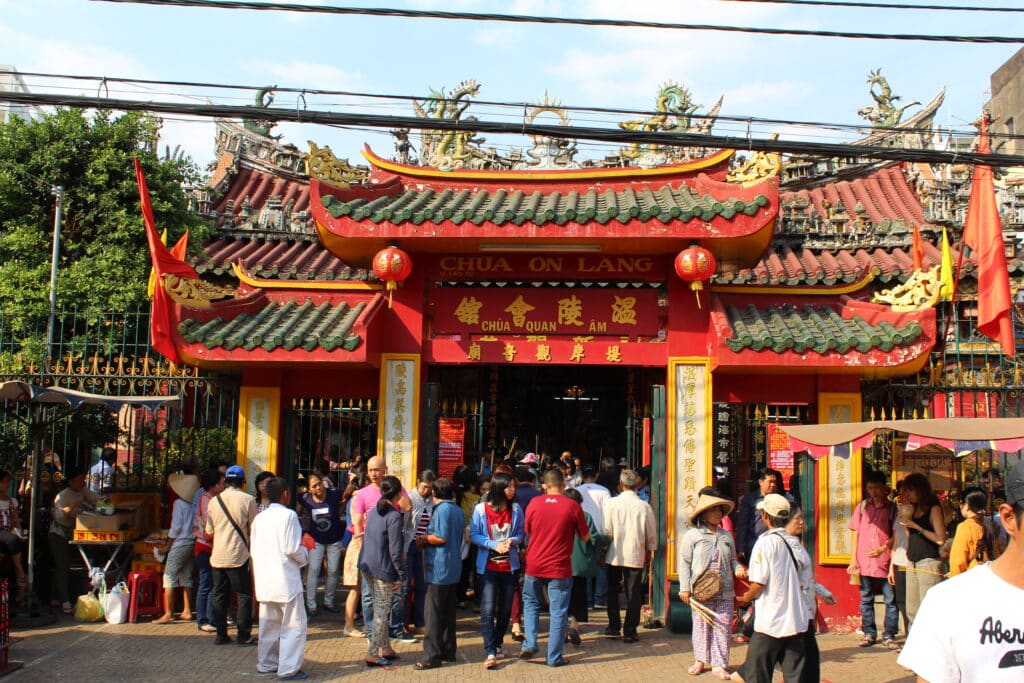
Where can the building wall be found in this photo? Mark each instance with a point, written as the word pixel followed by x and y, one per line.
pixel 11 81
pixel 1008 104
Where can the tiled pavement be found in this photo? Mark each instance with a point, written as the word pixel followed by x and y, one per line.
pixel 179 652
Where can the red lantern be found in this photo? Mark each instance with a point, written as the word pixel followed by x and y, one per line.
pixel 695 265
pixel 392 265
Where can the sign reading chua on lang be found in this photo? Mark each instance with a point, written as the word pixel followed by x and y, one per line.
pixel 499 267
pixel 567 311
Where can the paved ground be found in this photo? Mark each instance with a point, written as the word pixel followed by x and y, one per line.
pixel 179 652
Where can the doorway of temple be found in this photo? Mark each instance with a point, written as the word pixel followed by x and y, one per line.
pixel 592 411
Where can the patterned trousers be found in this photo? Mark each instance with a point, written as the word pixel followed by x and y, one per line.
pixel 382 592
pixel 711 641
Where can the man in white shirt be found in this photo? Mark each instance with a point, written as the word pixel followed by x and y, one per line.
pixel 101 475
pixel 278 556
pixel 971 627
pixel 594 498
pixel 630 522
pixel 781 616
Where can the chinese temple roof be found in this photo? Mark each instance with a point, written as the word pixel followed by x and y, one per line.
pixel 812 328
pixel 279 325
pixel 882 194
pixel 283 259
pixel 288 325
pixel 843 336
pixel 664 204
pixel 248 191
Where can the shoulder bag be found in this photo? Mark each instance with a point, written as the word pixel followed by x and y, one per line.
pixel 245 539
pixel 709 584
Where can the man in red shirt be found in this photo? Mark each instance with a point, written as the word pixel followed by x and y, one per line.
pixel 552 524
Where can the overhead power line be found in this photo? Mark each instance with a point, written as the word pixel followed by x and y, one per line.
pixel 518 107
pixel 574 21
pixel 615 135
pixel 885 5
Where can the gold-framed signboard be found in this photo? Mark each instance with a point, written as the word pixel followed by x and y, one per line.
pixel 839 481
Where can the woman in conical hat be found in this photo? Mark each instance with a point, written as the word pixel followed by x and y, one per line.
pixel 706 548
pixel 178 568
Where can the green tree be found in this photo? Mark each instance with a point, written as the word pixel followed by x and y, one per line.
pixel 104 261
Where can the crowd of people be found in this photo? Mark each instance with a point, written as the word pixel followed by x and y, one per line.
pixel 532 536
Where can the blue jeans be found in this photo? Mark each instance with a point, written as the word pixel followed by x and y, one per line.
pixel 417 583
pixel 204 592
pixel 869 587
pixel 495 607
pixel 598 593
pixel 397 609
pixel 558 599
pixel 316 559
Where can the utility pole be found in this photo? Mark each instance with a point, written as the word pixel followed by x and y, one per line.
pixel 58 192
pixel 34 614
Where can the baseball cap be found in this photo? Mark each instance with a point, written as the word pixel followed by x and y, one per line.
pixel 235 472
pixel 775 505
pixel 1015 484
pixel 529 459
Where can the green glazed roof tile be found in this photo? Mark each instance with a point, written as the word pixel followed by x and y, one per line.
pixel 809 328
pixel 664 204
pixel 289 326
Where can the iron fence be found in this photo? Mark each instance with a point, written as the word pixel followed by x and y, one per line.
pixel 109 354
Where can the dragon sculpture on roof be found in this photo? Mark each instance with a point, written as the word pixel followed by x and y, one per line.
pixel 674 109
pixel 449 149
pixel 884 113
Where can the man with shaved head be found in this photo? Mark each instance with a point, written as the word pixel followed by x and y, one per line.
pixel 364 500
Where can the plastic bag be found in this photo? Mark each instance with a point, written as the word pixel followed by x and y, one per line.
pixel 88 608
pixel 115 604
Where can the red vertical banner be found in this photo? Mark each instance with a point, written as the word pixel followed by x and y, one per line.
pixel 780 452
pixel 647 442
pixel 451 449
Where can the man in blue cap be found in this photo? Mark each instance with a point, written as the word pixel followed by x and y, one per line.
pixel 229 521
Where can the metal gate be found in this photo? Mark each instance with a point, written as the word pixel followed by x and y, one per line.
pixel 327 434
pixel 436 408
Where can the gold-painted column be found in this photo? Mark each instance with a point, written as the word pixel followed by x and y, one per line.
pixel 689 443
pixel 398 417
pixel 259 412
pixel 838 482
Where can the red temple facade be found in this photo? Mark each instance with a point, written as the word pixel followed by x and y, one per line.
pixel 544 312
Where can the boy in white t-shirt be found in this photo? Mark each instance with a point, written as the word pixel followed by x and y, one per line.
pixel 971 628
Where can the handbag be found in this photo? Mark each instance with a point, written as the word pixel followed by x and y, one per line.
pixel 707 585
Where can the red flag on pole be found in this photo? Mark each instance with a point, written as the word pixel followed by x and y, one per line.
pixel 983 233
pixel 918 250
pixel 164 261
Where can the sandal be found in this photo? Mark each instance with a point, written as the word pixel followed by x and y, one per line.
pixel 866 641
pixel 696 669
pixel 424 665
pixel 890 644
pixel 721 674
pixel 382 662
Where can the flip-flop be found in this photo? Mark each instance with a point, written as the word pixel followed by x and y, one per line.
pixel 866 642
pixel 423 666
pixel 297 676
pixel 696 669
pixel 721 674
pixel 890 644
pixel 382 662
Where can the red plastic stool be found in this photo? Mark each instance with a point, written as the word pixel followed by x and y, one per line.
pixel 146 595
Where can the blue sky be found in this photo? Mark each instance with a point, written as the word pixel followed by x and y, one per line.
pixel 776 77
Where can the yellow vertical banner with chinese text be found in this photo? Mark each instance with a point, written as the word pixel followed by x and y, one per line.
pixel 398 417
pixel 839 485
pixel 259 412
pixel 689 444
